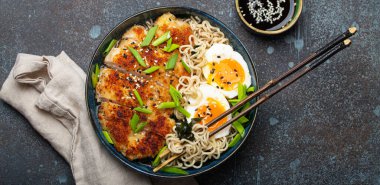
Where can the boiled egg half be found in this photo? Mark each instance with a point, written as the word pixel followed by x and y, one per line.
pixel 210 104
pixel 225 69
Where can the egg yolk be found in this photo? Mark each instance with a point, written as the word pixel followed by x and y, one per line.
pixel 210 111
pixel 227 74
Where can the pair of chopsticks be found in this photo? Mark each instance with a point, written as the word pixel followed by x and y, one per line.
pixel 314 60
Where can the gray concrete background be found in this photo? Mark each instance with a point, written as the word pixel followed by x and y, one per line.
pixel 325 129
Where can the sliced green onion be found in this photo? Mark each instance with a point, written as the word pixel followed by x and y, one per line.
pixel 251 89
pixel 157 160
pixel 133 122
pixel 168 44
pixel 140 127
pixel 183 111
pixel 138 57
pixel 234 141
pixel 175 170
pixel 172 61
pixel 149 36
pixel 151 69
pixel 187 68
pixel 138 97
pixel 173 47
pixel 110 46
pixel 166 105
pixel 234 101
pixel 161 39
pixel 243 119
pixel 241 91
pixel 107 136
pixel 94 79
pixel 97 69
pixel 143 110
pixel 176 91
pixel 174 97
pixel 239 127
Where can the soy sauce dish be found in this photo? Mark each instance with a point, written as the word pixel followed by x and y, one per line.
pixel 269 17
pixel 124 77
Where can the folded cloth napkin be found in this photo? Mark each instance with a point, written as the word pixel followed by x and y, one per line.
pixel 50 92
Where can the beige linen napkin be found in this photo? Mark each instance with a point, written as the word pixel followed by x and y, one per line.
pixel 50 92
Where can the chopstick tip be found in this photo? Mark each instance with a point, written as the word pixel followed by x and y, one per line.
pixel 352 30
pixel 347 42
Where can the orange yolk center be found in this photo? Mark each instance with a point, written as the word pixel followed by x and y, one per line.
pixel 227 74
pixel 210 111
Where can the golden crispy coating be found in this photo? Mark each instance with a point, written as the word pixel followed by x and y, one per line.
pixel 116 84
pixel 115 119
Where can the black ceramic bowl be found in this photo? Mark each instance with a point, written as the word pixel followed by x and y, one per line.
pixel 116 33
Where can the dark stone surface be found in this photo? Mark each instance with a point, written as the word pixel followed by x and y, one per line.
pixel 325 129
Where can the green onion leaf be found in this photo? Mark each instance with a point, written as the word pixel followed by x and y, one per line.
pixel 97 69
pixel 251 89
pixel 138 57
pixel 168 44
pixel 234 141
pixel 149 36
pixel 140 127
pixel 172 47
pixel 94 79
pixel 157 160
pixel 239 128
pixel 233 100
pixel 133 122
pixel 243 119
pixel 143 110
pixel 169 169
pixel 171 63
pixel 183 111
pixel 174 97
pixel 161 39
pixel 151 69
pixel 110 46
pixel 176 91
pixel 138 97
pixel 166 105
pixel 107 136
pixel 187 68
pixel 241 91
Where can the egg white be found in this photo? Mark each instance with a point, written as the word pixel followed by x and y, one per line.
pixel 208 91
pixel 219 52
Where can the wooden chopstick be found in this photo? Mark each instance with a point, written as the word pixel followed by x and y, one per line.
pixel 312 66
pixel 315 59
pixel 350 32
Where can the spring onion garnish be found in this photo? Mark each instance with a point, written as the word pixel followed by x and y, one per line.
pixel 172 61
pixel 94 80
pixel 157 160
pixel 187 68
pixel 133 122
pixel 136 54
pixel 151 69
pixel 138 97
pixel 166 105
pixel 174 97
pixel 107 136
pixel 169 169
pixel 234 141
pixel 140 127
pixel 161 39
pixel 149 36
pixel 110 46
pixel 251 89
pixel 241 91
pixel 97 70
pixel 173 47
pixel 143 110
pixel 175 91
pixel 183 111
pixel 239 128
pixel 168 44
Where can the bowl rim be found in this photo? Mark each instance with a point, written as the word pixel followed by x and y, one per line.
pixel 274 32
pixel 88 84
